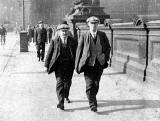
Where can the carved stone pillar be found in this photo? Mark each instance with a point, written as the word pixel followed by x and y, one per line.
pixel 84 9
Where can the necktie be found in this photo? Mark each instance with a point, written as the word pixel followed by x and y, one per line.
pixel 94 35
pixel 64 41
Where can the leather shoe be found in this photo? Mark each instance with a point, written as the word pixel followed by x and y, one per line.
pixel 94 108
pixel 42 60
pixel 60 106
pixel 68 100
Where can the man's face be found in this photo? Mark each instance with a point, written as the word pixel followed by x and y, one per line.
pixel 93 26
pixel 41 25
pixel 63 33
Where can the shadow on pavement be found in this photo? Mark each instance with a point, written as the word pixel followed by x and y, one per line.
pixel 116 73
pixel 30 72
pixel 138 104
pixel 7 55
pixel 134 105
pixel 74 101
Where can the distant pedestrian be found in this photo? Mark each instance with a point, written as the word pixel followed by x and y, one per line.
pixel 92 57
pixel 60 59
pixel 3 34
pixel 49 33
pixel 30 34
pixel 40 38
pixel 35 29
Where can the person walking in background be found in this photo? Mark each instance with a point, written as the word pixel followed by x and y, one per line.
pixel 41 39
pixel 92 57
pixel 3 33
pixel 60 59
pixel 34 32
pixel 49 33
pixel 29 34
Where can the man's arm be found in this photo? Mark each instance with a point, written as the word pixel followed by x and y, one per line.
pixel 46 35
pixel 5 31
pixel 49 54
pixel 35 36
pixel 108 48
pixel 79 52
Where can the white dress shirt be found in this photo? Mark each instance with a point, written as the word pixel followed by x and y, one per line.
pixel 64 40
pixel 93 33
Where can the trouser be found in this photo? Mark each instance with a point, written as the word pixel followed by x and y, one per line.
pixel 64 81
pixel 3 39
pixel 92 78
pixel 41 51
pixel 49 38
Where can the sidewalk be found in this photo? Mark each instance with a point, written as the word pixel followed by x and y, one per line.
pixel 27 93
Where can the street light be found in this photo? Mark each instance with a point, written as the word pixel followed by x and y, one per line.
pixel 23 15
pixel 23 11
pixel 21 4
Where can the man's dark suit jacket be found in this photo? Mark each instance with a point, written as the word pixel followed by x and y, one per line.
pixel 54 52
pixel 40 36
pixel 83 51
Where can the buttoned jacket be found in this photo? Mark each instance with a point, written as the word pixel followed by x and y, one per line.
pixel 40 35
pixel 83 50
pixel 54 53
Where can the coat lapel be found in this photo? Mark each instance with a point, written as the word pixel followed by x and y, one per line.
pixel 58 42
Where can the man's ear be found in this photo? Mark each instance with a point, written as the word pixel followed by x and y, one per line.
pixel 87 24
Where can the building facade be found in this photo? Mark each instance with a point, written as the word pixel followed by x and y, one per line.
pixel 127 9
pixel 52 11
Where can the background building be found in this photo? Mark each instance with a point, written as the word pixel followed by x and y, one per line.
pixel 11 13
pixel 127 9
pixel 52 11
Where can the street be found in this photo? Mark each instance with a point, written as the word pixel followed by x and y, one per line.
pixel 28 93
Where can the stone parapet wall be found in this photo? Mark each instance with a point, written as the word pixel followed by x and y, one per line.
pixel 153 69
pixel 135 49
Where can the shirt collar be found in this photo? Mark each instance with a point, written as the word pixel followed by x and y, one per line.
pixel 64 40
pixel 95 33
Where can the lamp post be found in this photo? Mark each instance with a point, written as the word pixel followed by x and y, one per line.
pixel 23 15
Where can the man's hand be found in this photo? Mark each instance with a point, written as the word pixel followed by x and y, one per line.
pixel 45 69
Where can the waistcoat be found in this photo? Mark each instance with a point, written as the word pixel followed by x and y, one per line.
pixel 95 50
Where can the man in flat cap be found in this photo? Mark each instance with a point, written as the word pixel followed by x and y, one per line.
pixel 68 32
pixel 40 38
pixel 92 57
pixel 61 59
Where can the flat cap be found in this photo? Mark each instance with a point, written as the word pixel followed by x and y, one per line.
pixel 77 2
pixel 63 22
pixel 93 19
pixel 62 26
pixel 40 22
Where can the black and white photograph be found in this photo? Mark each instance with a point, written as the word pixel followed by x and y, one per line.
pixel 80 60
